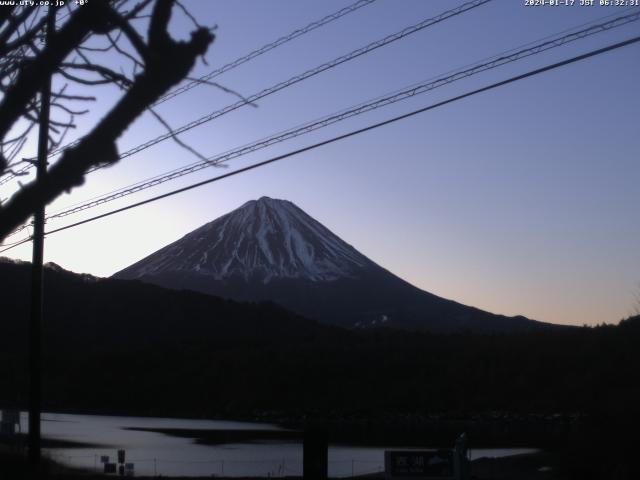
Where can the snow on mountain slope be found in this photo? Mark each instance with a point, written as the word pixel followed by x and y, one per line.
pixel 270 250
pixel 262 240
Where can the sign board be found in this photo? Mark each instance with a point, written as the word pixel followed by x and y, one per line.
pixel 423 465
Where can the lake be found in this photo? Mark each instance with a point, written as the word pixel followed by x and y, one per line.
pixel 159 454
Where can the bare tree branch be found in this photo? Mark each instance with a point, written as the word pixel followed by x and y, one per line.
pixel 97 148
pixel 224 89
pixel 32 74
pixel 175 137
pixel 107 74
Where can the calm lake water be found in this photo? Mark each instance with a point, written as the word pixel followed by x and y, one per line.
pixel 159 454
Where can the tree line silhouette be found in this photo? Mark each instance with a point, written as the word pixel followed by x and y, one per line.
pixel 114 346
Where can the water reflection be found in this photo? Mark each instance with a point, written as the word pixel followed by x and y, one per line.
pixel 159 454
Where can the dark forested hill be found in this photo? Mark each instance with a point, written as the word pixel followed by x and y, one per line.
pixel 125 346
pixel 93 314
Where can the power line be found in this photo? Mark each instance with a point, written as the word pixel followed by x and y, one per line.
pixel 531 73
pixel 305 75
pixel 494 61
pixel 264 49
pixel 344 136
pixel 9 246
pixel 345 114
pixel 632 17
pixel 298 78
pixel 229 66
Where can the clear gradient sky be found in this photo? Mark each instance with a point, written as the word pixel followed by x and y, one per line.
pixel 523 200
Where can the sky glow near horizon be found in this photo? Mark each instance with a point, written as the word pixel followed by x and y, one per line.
pixel 521 200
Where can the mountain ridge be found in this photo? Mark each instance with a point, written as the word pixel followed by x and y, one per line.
pixel 270 249
pixel 252 230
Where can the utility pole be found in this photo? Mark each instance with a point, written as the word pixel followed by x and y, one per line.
pixel 35 320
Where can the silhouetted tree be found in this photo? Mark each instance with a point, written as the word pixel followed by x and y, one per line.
pixel 636 303
pixel 81 50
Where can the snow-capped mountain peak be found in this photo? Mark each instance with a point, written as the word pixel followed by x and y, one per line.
pixel 264 239
pixel 270 250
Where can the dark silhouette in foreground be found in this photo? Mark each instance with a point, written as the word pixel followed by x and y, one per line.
pixel 126 347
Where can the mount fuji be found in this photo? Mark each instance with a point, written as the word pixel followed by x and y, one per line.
pixel 270 249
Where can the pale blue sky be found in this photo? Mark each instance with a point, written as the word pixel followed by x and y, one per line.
pixel 522 200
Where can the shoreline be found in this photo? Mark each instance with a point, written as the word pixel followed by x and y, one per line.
pixel 534 466
pixel 214 437
pixel 19 441
pixel 485 430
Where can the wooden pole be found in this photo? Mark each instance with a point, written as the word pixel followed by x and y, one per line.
pixel 35 320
